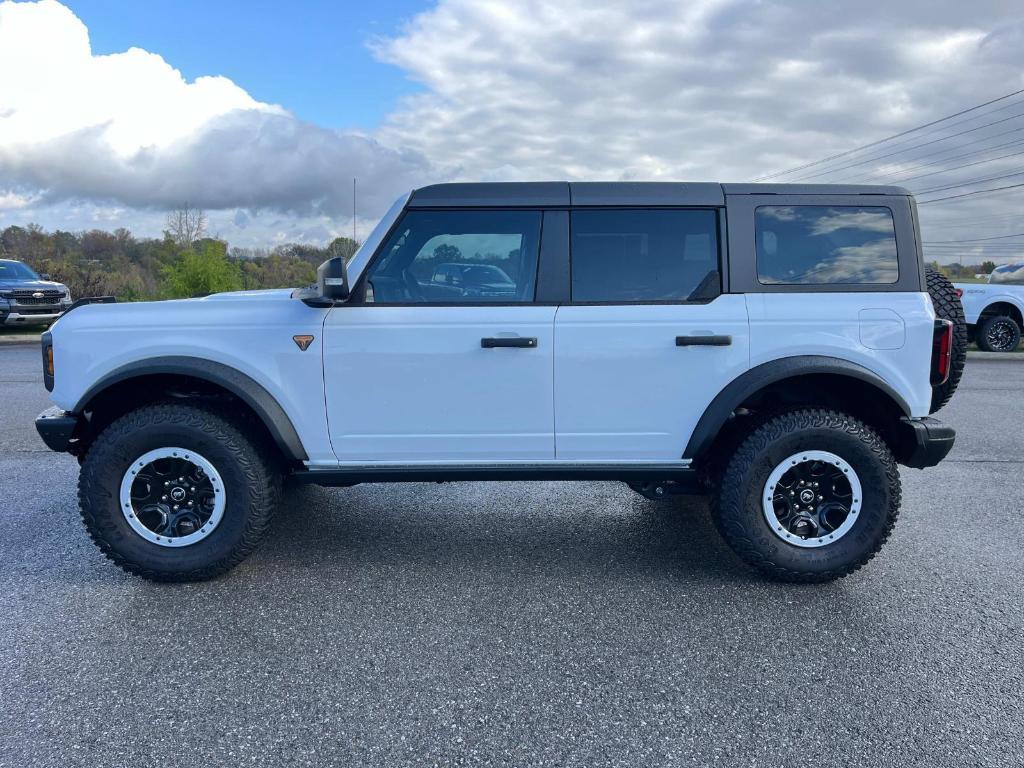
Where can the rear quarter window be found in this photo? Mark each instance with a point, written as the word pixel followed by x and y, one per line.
pixel 823 245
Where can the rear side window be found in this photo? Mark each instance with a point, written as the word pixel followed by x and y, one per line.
pixel 819 245
pixel 644 255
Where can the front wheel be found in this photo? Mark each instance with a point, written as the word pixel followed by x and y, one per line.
pixel 809 496
pixel 177 492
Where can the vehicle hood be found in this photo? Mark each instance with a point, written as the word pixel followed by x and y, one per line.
pixel 30 285
pixel 270 293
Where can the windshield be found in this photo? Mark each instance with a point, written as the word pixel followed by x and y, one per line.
pixel 15 270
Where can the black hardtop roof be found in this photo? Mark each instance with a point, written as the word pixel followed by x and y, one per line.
pixel 584 193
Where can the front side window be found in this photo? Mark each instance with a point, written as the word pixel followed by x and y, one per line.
pixel 819 245
pixel 452 257
pixel 644 255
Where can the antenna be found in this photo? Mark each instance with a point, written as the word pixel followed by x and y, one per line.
pixel 353 208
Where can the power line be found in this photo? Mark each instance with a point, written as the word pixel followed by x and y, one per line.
pixel 887 138
pixel 980 150
pixel 969 183
pixel 971 240
pixel 916 146
pixel 969 194
pixel 955 167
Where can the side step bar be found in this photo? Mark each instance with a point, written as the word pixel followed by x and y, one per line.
pixel 434 473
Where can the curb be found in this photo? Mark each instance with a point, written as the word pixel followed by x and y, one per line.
pixel 19 339
pixel 1003 357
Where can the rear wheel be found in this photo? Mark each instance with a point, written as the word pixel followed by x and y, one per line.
pixel 809 496
pixel 947 306
pixel 999 334
pixel 176 492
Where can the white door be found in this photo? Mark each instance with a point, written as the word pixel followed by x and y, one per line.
pixel 647 342
pixel 447 360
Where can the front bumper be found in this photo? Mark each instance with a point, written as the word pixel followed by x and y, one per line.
pixel 924 442
pixel 14 317
pixel 57 428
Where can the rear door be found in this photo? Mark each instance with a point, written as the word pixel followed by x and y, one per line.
pixel 427 370
pixel 648 339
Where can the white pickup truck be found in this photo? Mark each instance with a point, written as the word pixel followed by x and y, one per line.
pixel 995 310
pixel 781 347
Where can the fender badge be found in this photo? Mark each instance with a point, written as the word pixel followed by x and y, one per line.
pixel 302 342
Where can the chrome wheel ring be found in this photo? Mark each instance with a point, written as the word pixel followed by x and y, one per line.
pixel 812 499
pixel 172 497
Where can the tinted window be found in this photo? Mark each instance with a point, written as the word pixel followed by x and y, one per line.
pixel 446 257
pixel 644 255
pixel 815 245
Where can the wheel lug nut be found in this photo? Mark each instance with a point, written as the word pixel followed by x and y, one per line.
pixel 163 498
pixel 175 507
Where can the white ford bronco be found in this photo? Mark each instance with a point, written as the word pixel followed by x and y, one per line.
pixel 773 345
pixel 995 310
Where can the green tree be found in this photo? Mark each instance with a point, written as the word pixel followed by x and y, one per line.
pixel 202 272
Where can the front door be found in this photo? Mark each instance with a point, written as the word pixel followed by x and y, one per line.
pixel 647 340
pixel 443 356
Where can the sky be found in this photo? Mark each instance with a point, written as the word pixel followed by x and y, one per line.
pixel 112 113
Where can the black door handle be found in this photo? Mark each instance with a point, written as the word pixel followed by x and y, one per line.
pixel 703 341
pixel 508 341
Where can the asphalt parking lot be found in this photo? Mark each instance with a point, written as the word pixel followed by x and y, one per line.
pixel 518 624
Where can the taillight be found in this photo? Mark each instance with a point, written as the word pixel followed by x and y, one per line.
pixel 942 351
pixel 959 292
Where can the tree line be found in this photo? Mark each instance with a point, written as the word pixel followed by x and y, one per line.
pixel 185 262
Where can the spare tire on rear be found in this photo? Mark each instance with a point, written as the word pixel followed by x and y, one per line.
pixel 948 307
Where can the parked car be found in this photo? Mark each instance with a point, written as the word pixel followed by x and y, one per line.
pixel 27 298
pixel 995 310
pixel 784 358
pixel 475 279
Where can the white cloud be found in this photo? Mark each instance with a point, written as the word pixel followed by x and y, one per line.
pixel 526 89
pixel 713 90
pixel 129 128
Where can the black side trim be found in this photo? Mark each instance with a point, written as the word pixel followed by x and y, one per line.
pixel 242 386
pixel 924 442
pixel 438 473
pixel 745 385
pixel 56 428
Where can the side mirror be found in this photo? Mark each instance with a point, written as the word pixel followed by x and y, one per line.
pixel 45 276
pixel 332 279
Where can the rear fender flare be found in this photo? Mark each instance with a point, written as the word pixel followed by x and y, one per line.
pixel 761 376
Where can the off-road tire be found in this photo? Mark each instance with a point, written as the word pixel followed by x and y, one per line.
pixel 986 325
pixel 948 307
pixel 737 507
pixel 245 461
